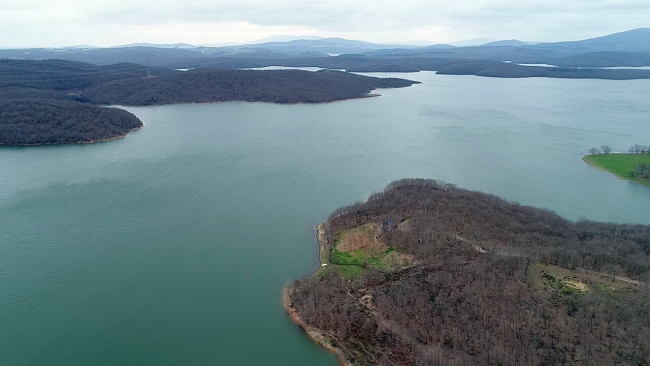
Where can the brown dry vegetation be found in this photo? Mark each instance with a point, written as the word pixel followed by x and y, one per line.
pixel 546 291
pixel 362 237
pixel 362 247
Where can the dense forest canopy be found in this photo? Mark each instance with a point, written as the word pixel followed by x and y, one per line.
pixel 132 84
pixel 481 281
pixel 203 86
pixel 39 121
pixel 50 101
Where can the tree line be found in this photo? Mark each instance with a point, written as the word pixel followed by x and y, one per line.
pixel 634 149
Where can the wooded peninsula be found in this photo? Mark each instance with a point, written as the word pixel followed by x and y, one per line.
pixel 425 273
pixel 58 101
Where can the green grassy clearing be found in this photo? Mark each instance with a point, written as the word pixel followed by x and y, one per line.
pixel 371 252
pixel 621 165
pixel 361 258
pixel 349 271
pixel 345 271
pixel 567 285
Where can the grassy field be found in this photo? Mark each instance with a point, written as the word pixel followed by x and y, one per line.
pixel 360 247
pixel 621 165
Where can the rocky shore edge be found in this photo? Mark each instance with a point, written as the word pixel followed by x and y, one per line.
pixel 320 337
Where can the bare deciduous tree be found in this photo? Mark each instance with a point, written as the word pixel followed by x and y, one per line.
pixel 606 149
pixel 461 306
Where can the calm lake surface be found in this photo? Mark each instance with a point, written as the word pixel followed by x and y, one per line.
pixel 171 246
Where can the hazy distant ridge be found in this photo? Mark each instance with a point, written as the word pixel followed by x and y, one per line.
pixel 625 49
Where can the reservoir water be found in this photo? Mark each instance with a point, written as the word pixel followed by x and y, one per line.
pixel 171 246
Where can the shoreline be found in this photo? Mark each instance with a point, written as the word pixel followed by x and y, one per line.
pixel 366 96
pixel 586 161
pixel 600 168
pixel 111 138
pixel 316 335
pixel 76 143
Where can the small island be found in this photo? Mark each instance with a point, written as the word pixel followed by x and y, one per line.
pixel 633 166
pixel 425 273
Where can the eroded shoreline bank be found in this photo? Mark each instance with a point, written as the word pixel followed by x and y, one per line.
pixel 317 335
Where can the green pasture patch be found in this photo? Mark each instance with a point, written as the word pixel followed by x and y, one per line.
pixel 621 165
pixel 349 271
pixel 361 258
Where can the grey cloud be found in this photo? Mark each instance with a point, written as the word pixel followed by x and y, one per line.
pixel 376 19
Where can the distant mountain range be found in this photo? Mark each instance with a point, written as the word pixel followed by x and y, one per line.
pixel 636 40
pixel 506 43
pixel 285 38
pixel 157 45
pixel 323 45
pixel 625 49
pixel 472 42
pixel 631 42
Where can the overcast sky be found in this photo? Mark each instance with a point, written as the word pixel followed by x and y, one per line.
pixel 53 23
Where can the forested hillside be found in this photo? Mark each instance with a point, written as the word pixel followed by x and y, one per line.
pixel 204 86
pixel 132 84
pixel 49 101
pixel 38 102
pixel 66 75
pixel 38 122
pixel 425 273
